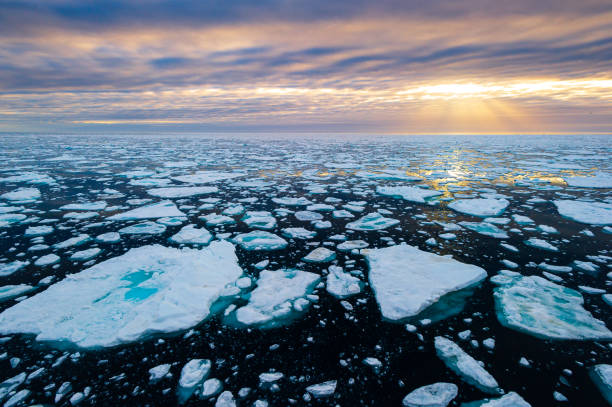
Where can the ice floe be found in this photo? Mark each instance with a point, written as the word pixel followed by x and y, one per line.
pixel 407 280
pixel 320 255
pixel 482 207
pixel 148 290
pixel 190 234
pixel 465 366
pixel 593 213
pixel 409 193
pixel 602 377
pixel 432 395
pixel 279 294
pixel 485 228
pixel 541 308
pixel 206 177
pixel 341 284
pixel 22 195
pixel 372 221
pixel 260 240
pixel 156 210
pixel 181 192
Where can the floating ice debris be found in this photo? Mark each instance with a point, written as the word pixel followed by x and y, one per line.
pixel 465 366
pixel 214 219
pixel 30 178
pixel 6 269
pixel 541 244
pixel 47 260
pixel 299 233
pixel 10 384
pixel 308 216
pixel 80 215
pixel 159 372
pixel 150 182
pixel 547 229
pixel 73 241
pixel 181 192
pixel 143 228
pixel 407 280
pixel 191 235
pixel 211 388
pixel 409 193
pixel 597 180
pixel 497 221
pixel 225 399
pixel 260 240
pixel 10 218
pixel 522 220
pixel 341 284
pixel 554 269
pixel 593 213
pixel 391 175
pixel 276 296
pixel 602 377
pixel 259 220
pixel 157 210
pixel 109 237
pixel 151 289
pixel 322 224
pixel 322 390
pixel 8 292
pixel 482 207
pixel 289 201
pixel 320 255
pixel 234 210
pixel 206 177
pixel 192 375
pixel 320 208
pixel 485 228
pixel 541 308
pixel 44 230
pixel 84 206
pixel 341 213
pixel 18 398
pixel 372 221
pixel 8 209
pixel 85 255
pixel 511 399
pixel 432 395
pixel 22 195
pixel 351 245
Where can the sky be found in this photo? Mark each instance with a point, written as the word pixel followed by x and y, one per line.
pixel 384 66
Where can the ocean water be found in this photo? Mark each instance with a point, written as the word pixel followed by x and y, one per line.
pixel 329 338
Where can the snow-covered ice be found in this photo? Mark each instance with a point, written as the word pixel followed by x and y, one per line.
pixel 156 210
pixel 372 221
pixel 409 193
pixel 432 395
pixel 593 213
pixel 150 289
pixel 482 207
pixel 260 240
pixel 407 280
pixel 191 234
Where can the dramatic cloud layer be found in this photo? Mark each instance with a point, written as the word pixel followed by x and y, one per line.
pixel 385 66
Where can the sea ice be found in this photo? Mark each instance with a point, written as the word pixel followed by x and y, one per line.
pixel 211 388
pixel 84 206
pixel 143 228
pixel 597 180
pixel 511 399
pixel 407 280
pixel 322 390
pixel 409 193
pixel 320 255
pixel 181 192
pixel 432 395
pixel 541 244
pixel 22 195
pixel 276 296
pixel 73 241
pixel 372 221
pixel 290 201
pixel 47 260
pixel 602 377
pixel 259 220
pixel 465 366
pixel 157 210
pixel 191 235
pixel 206 177
pixel 193 374
pixel 308 216
pixel 6 269
pixel 10 218
pixel 351 245
pixel 148 290
pixel 536 306
pixel 260 240
pixel 485 228
pixel 299 233
pixel 109 237
pixel 592 213
pixel 33 231
pixel 8 292
pixel 85 255
pixel 341 284
pixel 482 207
pixel 214 219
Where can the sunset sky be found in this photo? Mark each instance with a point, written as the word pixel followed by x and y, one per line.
pixel 387 66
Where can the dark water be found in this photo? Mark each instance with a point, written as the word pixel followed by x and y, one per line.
pixel 310 349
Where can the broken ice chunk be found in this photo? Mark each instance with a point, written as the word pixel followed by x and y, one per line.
pixel 481 207
pixel 432 395
pixel 372 221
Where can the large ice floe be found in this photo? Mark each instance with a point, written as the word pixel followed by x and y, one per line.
pixel 407 280
pixel 465 366
pixel 593 213
pixel 536 306
pixel 23 195
pixel 481 207
pixel 597 180
pixel 341 284
pixel 181 192
pixel 409 193
pixel 190 234
pixel 153 211
pixel 148 290
pixel 279 296
pixel 205 177
pixel 372 221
